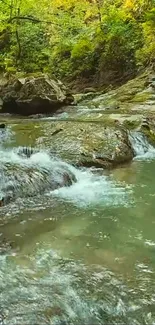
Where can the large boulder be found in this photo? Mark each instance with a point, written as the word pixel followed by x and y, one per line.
pixel 33 95
pixel 89 144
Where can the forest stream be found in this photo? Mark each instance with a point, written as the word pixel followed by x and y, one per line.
pixel 82 254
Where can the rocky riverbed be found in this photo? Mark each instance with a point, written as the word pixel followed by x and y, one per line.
pixel 76 241
pixel 96 130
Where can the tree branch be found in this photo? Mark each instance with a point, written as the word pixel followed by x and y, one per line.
pixel 35 20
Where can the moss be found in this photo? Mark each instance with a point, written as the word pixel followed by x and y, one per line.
pixel 124 97
pixel 29 75
pixel 150 134
pixel 141 97
pixel 132 90
pixel 108 122
pixel 121 99
pixel 87 96
pixel 131 125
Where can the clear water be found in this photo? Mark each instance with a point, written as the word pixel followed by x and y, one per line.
pixel 78 255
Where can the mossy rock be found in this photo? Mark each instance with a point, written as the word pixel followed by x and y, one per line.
pixel 131 125
pixel 91 144
pixel 141 97
pixel 150 134
pixel 134 91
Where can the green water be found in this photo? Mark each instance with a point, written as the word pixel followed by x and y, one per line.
pixel 84 255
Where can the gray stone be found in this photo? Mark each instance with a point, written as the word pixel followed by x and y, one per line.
pixel 34 95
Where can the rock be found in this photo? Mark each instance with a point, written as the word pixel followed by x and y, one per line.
pixel 91 144
pixel 26 151
pixel 57 131
pixel 1 201
pixel 5 247
pixel 33 184
pixel 150 81
pixel 113 106
pixel 28 178
pixel 2 126
pixel 85 96
pixel 2 317
pixel 89 90
pixel 125 98
pixel 34 95
pixel 147 127
pixel 145 124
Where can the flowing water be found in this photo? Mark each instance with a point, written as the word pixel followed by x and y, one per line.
pixel 83 254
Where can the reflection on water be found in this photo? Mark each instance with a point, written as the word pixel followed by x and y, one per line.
pixel 83 254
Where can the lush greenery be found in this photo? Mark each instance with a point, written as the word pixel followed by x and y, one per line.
pixel 94 39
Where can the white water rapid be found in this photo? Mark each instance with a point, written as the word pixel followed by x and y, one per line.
pixel 142 148
pixel 23 176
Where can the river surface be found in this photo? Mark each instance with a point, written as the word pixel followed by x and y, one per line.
pixel 83 254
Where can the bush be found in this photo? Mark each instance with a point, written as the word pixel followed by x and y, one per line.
pixel 146 54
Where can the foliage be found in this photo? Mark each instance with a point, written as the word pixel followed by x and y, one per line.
pixel 85 38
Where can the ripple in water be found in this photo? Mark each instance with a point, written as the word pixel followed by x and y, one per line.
pixel 47 289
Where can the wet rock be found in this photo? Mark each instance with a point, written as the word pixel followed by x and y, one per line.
pixel 89 90
pixel 2 318
pixel 96 145
pixel 34 95
pixel 38 183
pixel 150 81
pixel 2 126
pixel 28 177
pixel 1 201
pixel 81 97
pixel 26 151
pixel 125 97
pixel 7 198
pixel 36 116
pixel 147 127
pixel 57 131
pixel 5 246
pixel 113 106
pixel 145 124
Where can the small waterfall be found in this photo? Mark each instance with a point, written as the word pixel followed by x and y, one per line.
pixel 31 172
pixel 5 135
pixel 27 172
pixel 142 148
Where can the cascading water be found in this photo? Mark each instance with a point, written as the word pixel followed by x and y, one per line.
pixel 5 134
pixel 26 172
pixel 142 148
pixel 29 175
pixel 93 189
pixel 78 254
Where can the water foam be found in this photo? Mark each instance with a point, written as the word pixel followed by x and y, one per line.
pixel 89 188
pixel 22 176
pixel 94 189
